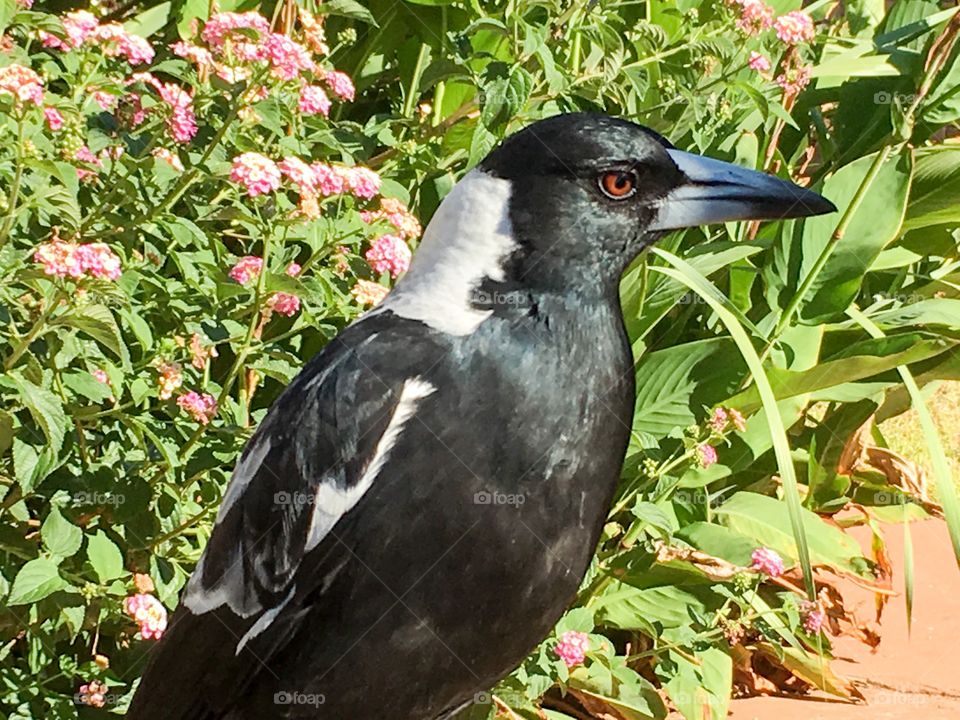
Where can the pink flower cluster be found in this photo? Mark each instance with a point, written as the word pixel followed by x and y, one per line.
pixel 389 253
pixel 53 117
pixel 758 62
pixel 341 84
pixel 288 59
pixel 202 407
pixel 397 214
pixel 721 418
pixel 221 27
pixel 257 173
pixel 284 304
pixel 812 616
pixel 182 122
pixel 794 28
pixel 755 16
pixel 82 27
pixel 261 175
pixel 767 561
pixel 794 78
pixel 313 101
pixel 149 613
pixel 706 455
pixel 572 648
pixel 66 259
pixel 21 82
pixel 247 269
pixel 92 694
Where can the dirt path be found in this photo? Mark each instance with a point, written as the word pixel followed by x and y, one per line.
pixel 909 677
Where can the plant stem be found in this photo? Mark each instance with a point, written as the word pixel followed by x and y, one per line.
pixel 37 328
pixel 15 187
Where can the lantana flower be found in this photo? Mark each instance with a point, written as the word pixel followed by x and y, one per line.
pixel 313 101
pixel 396 213
pixel 389 253
pixel 369 293
pixel 812 616
pixel 247 268
pixel 755 16
pixel 341 84
pixel 201 406
pixel 284 304
pixel 362 182
pixel 66 259
pixel 53 118
pixel 149 613
pixel 257 173
pixel 758 62
pixel 794 27
pixel 706 455
pixel 572 648
pixel 21 82
pixel 767 561
pixel 171 377
pixel 92 694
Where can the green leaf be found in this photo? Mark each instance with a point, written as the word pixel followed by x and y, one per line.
pixel 875 223
pixel 766 520
pixel 149 21
pixel 349 8
pixel 899 350
pixel 935 189
pixel 36 580
pixel 719 541
pixel 60 537
pixel 105 556
pixel 8 8
pixel 98 322
pixel 45 407
pixel 675 383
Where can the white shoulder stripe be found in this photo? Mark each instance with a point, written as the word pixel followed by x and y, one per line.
pixel 332 502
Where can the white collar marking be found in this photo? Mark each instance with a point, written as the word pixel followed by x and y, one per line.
pixel 466 241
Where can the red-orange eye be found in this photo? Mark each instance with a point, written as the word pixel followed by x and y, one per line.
pixel 618 184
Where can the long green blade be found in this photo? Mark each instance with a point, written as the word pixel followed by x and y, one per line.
pixel 946 490
pixel 687 275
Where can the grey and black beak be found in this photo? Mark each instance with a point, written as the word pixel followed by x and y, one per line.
pixel 715 191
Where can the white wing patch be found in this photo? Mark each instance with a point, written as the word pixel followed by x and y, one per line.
pixel 243 474
pixel 332 502
pixel 467 240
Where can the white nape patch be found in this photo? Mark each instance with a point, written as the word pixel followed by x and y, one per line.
pixel 331 502
pixel 242 475
pixel 264 621
pixel 467 240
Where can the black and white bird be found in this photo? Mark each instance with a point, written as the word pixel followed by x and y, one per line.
pixel 418 507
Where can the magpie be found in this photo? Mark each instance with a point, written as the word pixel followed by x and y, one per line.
pixel 419 506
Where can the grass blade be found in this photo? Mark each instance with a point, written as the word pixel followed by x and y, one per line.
pixel 946 490
pixel 687 275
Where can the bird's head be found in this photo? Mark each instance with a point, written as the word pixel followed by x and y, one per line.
pixel 569 201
